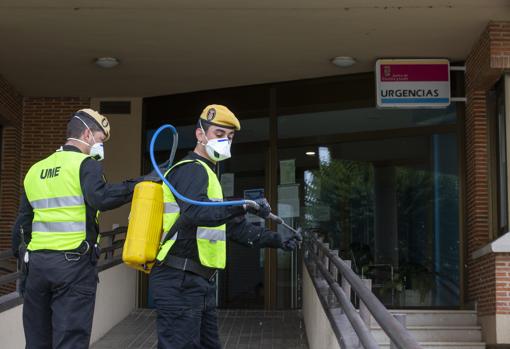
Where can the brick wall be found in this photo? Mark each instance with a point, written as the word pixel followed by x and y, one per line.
pixel 502 280
pixel 11 103
pixel 37 127
pixel 485 64
pixel 492 284
pixel 44 126
pixel 483 283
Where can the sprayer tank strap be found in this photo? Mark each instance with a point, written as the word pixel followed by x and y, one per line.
pixel 171 233
pixel 180 163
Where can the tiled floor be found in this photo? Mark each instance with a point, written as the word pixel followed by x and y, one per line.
pixel 238 329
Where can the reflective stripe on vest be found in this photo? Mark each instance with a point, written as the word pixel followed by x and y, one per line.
pixel 171 207
pixel 210 234
pixel 211 241
pixel 53 189
pixel 58 227
pixel 58 202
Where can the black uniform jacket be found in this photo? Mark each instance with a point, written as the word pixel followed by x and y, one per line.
pixel 191 180
pixel 99 196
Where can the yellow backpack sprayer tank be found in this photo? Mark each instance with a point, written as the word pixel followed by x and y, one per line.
pixel 146 220
pixel 145 226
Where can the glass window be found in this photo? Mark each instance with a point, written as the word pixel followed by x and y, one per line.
pixel 359 120
pixel 382 186
pixel 390 204
pixel 243 280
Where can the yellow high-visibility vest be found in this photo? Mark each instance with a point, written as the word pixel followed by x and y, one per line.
pixel 211 241
pixel 53 189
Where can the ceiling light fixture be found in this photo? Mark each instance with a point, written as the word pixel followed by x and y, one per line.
pixel 343 61
pixel 310 153
pixel 107 62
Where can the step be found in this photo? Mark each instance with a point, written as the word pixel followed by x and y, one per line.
pixel 437 317
pixel 436 334
pixel 446 345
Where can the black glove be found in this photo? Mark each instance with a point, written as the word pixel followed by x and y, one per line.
pixel 153 176
pixel 264 208
pixel 290 245
pixel 290 240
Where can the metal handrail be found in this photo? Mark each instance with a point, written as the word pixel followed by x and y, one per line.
pixel 105 261
pixel 115 245
pixel 6 254
pixel 391 326
pixel 10 276
pixel 364 335
pixel 116 231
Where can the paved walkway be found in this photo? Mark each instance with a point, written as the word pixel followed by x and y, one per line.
pixel 239 329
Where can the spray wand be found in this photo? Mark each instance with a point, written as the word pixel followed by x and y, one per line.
pixel 178 195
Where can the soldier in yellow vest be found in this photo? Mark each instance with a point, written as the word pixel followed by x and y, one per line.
pixel 194 245
pixel 58 214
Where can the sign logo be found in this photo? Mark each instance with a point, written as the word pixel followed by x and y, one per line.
pixel 387 71
pixel 211 114
pixel 413 83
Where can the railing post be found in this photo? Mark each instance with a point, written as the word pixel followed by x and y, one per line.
pixel 318 258
pixel 363 310
pixel 325 258
pixel 402 319
pixel 325 262
pixel 314 252
pixel 315 240
pixel 333 302
pixel 345 284
pixel 318 250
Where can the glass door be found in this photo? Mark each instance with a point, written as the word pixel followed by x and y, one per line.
pixel 242 284
pixel 388 200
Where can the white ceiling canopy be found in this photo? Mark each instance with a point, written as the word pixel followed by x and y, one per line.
pixel 48 48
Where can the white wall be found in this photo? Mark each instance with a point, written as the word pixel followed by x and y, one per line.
pixel 116 299
pixel 116 294
pixel 495 328
pixel 318 328
pixel 11 328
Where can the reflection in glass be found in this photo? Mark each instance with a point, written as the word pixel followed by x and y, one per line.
pixel 396 220
pixel 332 122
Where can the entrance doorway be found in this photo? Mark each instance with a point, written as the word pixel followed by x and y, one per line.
pixel 242 284
pixel 382 186
pixel 388 200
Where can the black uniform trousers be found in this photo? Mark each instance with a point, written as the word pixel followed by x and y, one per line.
pixel 59 301
pixel 186 308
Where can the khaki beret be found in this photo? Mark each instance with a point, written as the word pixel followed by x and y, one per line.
pixel 100 119
pixel 221 116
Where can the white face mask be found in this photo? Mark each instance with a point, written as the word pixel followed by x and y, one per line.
pixel 218 149
pixel 96 149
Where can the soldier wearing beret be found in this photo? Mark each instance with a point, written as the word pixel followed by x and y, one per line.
pixel 58 219
pixel 194 245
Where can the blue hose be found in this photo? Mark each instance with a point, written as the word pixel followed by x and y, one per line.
pixel 174 191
